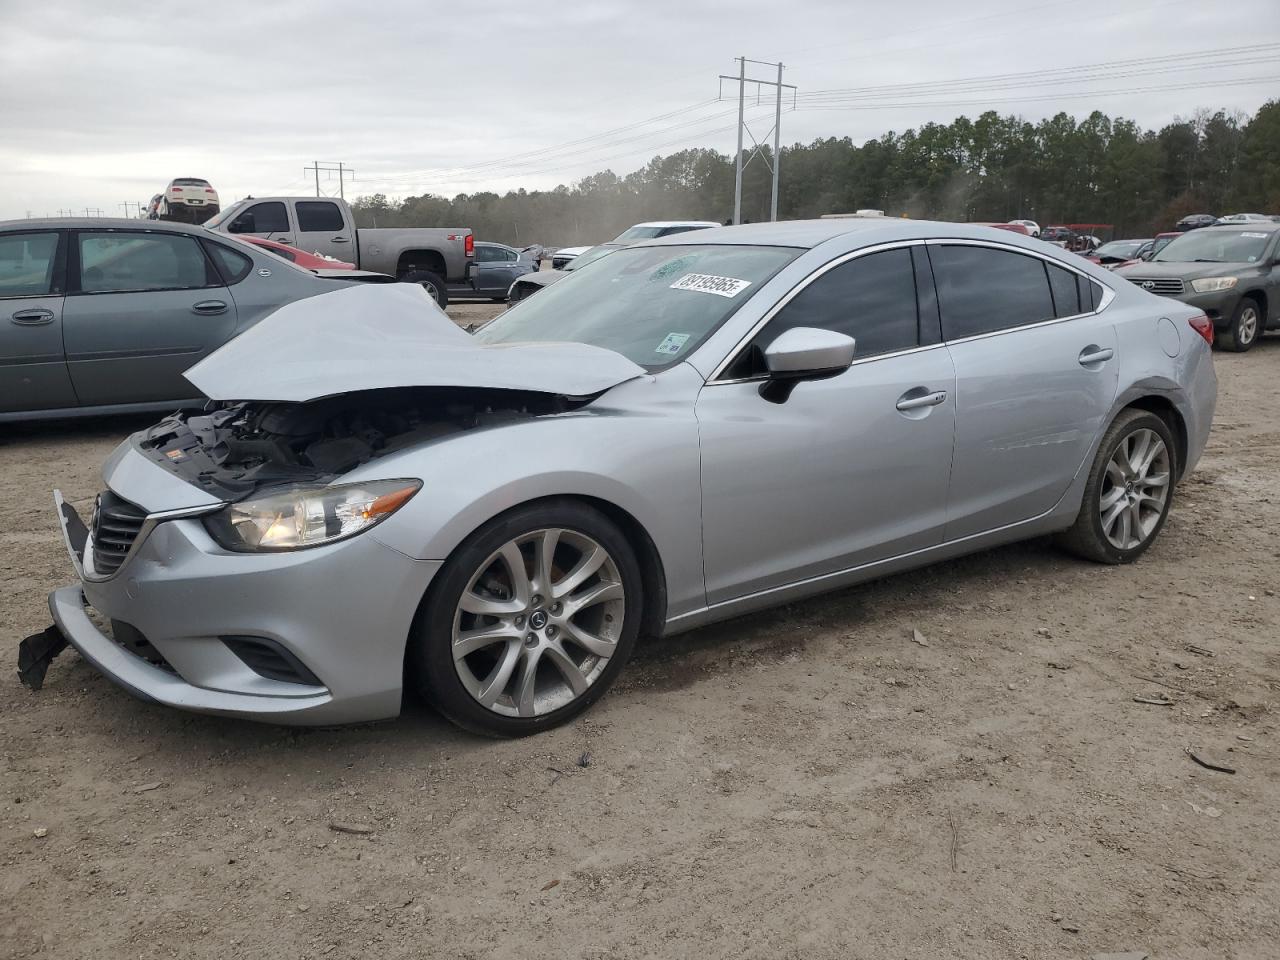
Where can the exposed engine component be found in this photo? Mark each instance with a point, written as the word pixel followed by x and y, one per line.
pixel 234 449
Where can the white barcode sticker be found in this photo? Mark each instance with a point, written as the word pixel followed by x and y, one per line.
pixel 706 283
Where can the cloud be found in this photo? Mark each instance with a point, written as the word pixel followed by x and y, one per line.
pixel 131 94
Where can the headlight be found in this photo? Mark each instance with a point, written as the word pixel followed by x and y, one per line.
pixel 1213 284
pixel 308 516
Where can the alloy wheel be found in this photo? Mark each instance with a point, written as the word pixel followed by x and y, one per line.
pixel 1135 489
pixel 1248 325
pixel 537 623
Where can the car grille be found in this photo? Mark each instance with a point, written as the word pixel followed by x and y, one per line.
pixel 1162 286
pixel 115 526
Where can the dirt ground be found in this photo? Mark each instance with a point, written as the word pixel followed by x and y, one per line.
pixel 804 783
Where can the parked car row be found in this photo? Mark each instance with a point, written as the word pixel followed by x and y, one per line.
pixel 1231 271
pixel 660 440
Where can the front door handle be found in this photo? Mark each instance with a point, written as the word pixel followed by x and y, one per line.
pixel 914 401
pixel 1095 354
pixel 35 317
pixel 209 307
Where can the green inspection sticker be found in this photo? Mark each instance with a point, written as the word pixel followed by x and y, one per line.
pixel 672 343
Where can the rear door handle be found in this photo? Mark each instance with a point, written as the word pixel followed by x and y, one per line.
pixel 1095 354
pixel 339 240
pixel 909 402
pixel 210 307
pixel 34 317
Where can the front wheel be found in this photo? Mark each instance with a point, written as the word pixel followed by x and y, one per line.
pixel 431 283
pixel 530 621
pixel 1128 493
pixel 1246 325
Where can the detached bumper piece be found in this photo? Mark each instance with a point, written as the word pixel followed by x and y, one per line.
pixel 36 652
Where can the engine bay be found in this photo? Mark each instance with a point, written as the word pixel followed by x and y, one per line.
pixel 234 449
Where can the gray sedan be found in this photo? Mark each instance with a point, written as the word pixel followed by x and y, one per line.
pixel 688 430
pixel 103 316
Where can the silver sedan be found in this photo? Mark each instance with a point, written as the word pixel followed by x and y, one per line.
pixel 680 432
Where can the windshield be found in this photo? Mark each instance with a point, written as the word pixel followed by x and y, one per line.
pixel 653 305
pixel 1120 248
pixel 1160 243
pixel 637 233
pixel 589 256
pixel 226 214
pixel 1216 246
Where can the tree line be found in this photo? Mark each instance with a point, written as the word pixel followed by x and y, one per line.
pixel 993 168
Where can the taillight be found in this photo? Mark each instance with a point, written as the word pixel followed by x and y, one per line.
pixel 1203 326
pixel 208 189
pixel 176 189
pixel 469 245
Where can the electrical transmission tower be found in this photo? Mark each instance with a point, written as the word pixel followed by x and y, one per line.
pixel 757 150
pixel 343 172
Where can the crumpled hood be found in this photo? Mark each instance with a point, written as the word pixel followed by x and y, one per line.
pixel 377 336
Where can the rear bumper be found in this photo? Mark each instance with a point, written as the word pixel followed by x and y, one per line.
pixel 157 627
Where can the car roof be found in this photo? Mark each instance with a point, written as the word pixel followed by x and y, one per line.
pixel 103 223
pixel 1239 226
pixel 675 223
pixel 867 230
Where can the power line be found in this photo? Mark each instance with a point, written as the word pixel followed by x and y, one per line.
pixel 1177 63
pixel 1243 81
pixel 329 168
pixel 545 153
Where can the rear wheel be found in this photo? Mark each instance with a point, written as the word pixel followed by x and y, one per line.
pixel 1245 328
pixel 431 283
pixel 1128 493
pixel 530 621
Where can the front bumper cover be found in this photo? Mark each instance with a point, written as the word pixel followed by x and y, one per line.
pixel 344 610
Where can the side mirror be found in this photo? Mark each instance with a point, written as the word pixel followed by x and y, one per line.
pixel 804 353
pixel 245 223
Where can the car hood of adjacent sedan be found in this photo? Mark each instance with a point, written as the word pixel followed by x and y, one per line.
pixel 376 336
pixel 1182 269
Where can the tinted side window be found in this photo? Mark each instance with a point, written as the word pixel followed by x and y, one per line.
pixel 486 253
pixel 1066 292
pixel 27 264
pixel 870 298
pixel 981 289
pixel 137 261
pixel 318 216
pixel 233 265
pixel 269 217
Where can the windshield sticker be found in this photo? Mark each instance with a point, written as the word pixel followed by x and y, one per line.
pixel 1256 236
pixel 671 268
pixel 706 283
pixel 672 343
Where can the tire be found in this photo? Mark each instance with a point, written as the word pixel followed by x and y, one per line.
pixel 1091 536
pixel 1245 329
pixel 483 689
pixel 430 282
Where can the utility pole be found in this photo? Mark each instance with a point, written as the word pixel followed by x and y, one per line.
pixel 128 205
pixel 757 149
pixel 341 169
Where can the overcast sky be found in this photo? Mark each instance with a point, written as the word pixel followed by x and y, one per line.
pixel 106 102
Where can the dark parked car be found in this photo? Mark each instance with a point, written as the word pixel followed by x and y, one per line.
pixel 496 267
pixel 105 315
pixel 1231 272
pixel 1195 221
pixel 1111 254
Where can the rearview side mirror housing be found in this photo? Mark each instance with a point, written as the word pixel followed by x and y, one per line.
pixel 804 353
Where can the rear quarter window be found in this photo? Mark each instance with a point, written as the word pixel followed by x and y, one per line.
pixel 985 290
